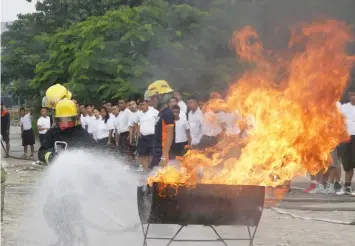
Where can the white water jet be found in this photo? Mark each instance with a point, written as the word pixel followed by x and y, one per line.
pixel 91 192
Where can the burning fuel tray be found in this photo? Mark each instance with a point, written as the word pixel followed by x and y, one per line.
pixel 206 204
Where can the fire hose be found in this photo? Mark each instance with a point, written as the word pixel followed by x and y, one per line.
pixel 339 222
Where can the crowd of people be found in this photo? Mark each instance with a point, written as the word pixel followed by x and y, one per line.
pixel 156 129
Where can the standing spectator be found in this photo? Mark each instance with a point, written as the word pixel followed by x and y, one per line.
pixel 5 128
pixel 182 133
pixel 181 103
pixel 348 110
pixel 212 127
pixel 108 105
pixel 103 127
pixel 195 120
pixel 146 127
pixel 160 92
pixel 27 134
pixel 82 115
pixel 89 118
pixel 172 102
pixel 122 126
pixel 43 124
pixel 132 123
pixel 115 113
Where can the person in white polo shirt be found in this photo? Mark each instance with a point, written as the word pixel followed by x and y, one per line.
pixel 180 102
pixel 182 134
pixel 43 124
pixel 348 110
pixel 27 134
pixel 195 118
pixel 89 124
pixel 82 115
pixel 122 126
pixel 115 113
pixel 103 127
pixel 133 127
pixel 146 130
pixel 174 101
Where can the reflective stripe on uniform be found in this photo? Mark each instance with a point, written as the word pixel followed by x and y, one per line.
pixel 46 156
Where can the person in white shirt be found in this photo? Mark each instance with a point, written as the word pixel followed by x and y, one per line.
pixel 212 126
pixel 122 126
pixel 146 129
pixel 180 102
pixel 43 124
pixel 348 111
pixel 115 113
pixel 109 107
pixel 27 134
pixel 89 124
pixel 195 121
pixel 172 102
pixel 103 127
pixel 182 134
pixel 82 115
pixel 132 123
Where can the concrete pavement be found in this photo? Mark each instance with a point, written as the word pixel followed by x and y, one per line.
pixel 304 219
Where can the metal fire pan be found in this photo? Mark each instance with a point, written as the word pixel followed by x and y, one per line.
pixel 205 204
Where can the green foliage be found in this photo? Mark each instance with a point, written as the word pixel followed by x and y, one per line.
pixel 25 43
pixel 118 54
pixel 114 48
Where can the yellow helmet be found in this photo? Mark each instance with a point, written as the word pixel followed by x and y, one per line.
pixel 65 108
pixel 54 94
pixel 159 87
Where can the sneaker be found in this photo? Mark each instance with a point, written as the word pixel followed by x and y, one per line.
pixel 330 189
pixel 337 186
pixel 344 191
pixel 318 189
pixel 352 194
pixel 312 186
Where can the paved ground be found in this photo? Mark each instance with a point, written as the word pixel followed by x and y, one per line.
pixel 300 219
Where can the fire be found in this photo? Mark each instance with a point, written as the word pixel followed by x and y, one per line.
pixel 287 106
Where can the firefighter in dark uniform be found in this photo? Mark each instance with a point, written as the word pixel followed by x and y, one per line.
pixel 160 93
pixel 65 130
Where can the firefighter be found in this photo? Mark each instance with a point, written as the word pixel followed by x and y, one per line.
pixel 65 130
pixel 160 92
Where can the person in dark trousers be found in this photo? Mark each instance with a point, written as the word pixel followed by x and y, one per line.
pixel 5 128
pixel 348 156
pixel 65 130
pixel 182 133
pixel 122 127
pixel 27 134
pixel 43 124
pixel 103 128
pixel 160 93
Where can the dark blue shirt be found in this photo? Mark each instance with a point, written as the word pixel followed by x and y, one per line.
pixel 165 118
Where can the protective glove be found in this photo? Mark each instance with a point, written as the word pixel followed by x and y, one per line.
pixel 49 157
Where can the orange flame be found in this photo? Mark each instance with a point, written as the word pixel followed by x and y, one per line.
pixel 287 106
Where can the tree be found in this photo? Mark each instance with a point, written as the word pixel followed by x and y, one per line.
pixel 24 44
pixel 119 53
